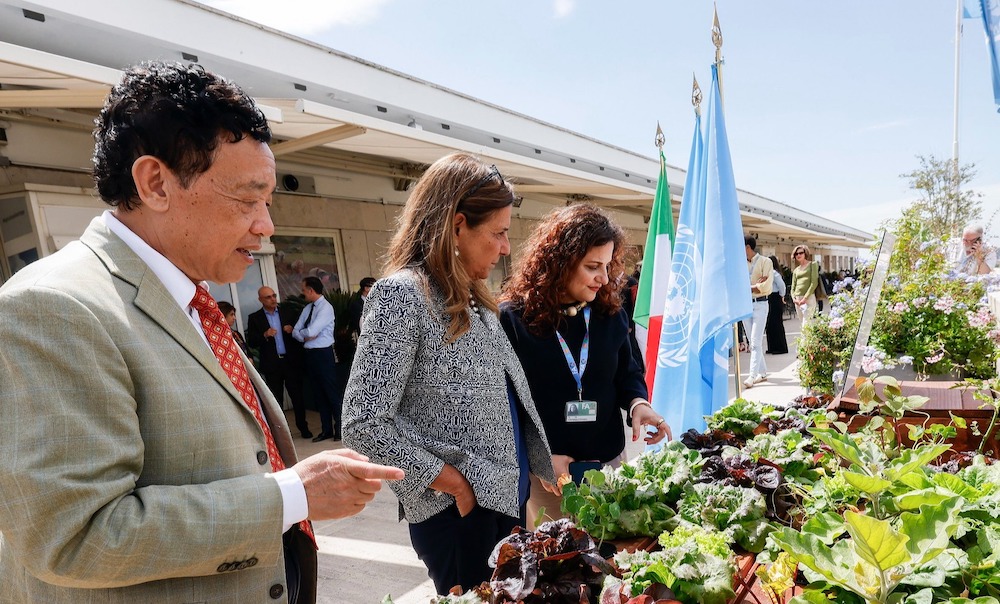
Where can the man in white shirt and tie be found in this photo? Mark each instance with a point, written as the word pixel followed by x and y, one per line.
pixel 315 330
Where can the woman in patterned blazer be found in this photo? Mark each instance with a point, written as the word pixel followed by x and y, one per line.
pixel 436 387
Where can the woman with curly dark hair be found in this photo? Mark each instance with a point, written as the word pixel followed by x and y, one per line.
pixel 562 311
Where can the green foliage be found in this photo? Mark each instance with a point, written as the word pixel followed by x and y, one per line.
pixel 696 564
pixel 878 554
pixel 737 512
pixel 826 345
pixel 740 417
pixel 926 313
pixel 938 322
pixel 789 449
pixel 341 302
pixel 946 205
pixel 634 499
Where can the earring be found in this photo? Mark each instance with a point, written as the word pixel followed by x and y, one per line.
pixel 456 251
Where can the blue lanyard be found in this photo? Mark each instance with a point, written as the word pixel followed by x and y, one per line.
pixel 584 354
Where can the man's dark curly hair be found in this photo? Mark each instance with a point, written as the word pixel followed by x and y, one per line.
pixel 176 113
pixel 550 256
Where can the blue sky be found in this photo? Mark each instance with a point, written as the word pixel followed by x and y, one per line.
pixel 827 103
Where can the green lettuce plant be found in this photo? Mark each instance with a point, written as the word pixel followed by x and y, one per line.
pixel 694 563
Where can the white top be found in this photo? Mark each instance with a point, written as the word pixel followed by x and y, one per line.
pixel 779 284
pixel 320 325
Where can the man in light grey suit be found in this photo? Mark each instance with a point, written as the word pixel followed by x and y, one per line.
pixel 131 470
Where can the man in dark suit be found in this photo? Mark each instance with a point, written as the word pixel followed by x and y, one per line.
pixel 357 306
pixel 269 331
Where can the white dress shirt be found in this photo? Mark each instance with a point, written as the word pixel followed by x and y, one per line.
pixel 320 327
pixel 182 289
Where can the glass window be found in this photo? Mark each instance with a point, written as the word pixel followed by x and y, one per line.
pixel 221 292
pixel 299 256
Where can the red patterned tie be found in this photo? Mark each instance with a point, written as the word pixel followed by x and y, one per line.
pixel 220 339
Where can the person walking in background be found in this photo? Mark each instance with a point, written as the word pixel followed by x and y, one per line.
pixel 436 386
pixel 775 330
pixel 563 313
pixel 805 280
pixel 160 468
pixel 229 312
pixel 761 280
pixel 269 332
pixel 315 330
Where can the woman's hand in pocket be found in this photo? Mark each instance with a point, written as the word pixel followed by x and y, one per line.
pixel 453 482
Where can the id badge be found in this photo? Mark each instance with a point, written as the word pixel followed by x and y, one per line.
pixel 581 411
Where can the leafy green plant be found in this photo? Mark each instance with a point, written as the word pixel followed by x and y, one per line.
pixel 694 563
pixel 927 314
pixel 740 417
pixel 878 556
pixel 635 499
pixel 986 392
pixel 736 512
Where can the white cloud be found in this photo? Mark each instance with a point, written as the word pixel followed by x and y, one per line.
pixel 302 17
pixel 563 8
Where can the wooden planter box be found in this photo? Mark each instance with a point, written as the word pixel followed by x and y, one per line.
pixel 943 401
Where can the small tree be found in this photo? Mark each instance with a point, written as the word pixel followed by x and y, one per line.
pixel 945 205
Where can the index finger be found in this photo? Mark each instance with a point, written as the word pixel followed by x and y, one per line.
pixel 368 470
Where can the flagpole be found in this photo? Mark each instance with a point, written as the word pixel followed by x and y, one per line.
pixel 717 41
pixel 958 55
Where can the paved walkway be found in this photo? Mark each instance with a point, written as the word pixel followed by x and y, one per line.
pixel 365 557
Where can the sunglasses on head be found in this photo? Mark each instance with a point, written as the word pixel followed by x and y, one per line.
pixel 493 172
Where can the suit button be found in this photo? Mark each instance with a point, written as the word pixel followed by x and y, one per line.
pixel 262 457
pixel 224 567
pixel 252 561
pixel 277 590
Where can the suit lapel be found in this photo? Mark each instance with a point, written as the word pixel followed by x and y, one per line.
pixel 153 299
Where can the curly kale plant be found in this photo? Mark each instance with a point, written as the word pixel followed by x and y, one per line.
pixel 737 512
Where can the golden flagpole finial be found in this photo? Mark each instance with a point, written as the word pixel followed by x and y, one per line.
pixel 716 34
pixel 717 40
pixel 660 139
pixel 696 95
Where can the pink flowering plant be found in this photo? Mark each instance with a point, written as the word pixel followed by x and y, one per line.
pixel 827 341
pixel 928 316
pixel 942 322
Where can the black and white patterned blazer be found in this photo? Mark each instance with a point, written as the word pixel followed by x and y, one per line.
pixel 416 402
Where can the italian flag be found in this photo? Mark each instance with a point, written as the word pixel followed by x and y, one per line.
pixel 655 274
